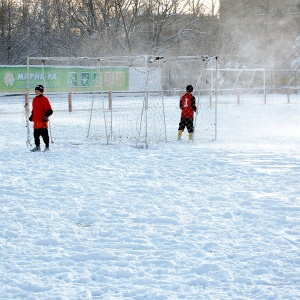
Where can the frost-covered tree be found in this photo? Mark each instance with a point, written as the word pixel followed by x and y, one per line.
pixel 15 30
pixel 106 28
pixel 130 27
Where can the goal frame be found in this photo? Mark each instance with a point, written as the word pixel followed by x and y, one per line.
pixel 241 90
pixel 147 61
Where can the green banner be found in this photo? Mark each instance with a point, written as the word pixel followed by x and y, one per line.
pixel 15 79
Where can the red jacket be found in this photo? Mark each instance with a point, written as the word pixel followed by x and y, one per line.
pixel 188 106
pixel 41 107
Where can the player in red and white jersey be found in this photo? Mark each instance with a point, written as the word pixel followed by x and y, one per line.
pixel 188 108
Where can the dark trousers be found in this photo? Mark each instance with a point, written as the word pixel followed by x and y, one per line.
pixel 43 132
pixel 188 123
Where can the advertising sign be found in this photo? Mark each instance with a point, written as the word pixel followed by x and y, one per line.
pixel 20 79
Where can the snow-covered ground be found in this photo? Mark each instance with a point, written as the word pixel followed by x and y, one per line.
pixel 201 220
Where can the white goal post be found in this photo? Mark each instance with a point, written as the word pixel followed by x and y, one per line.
pixel 129 100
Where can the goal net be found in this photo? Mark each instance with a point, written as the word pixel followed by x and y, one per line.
pixel 178 72
pixel 241 86
pixel 126 100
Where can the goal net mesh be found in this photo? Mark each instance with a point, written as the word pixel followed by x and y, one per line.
pixel 125 100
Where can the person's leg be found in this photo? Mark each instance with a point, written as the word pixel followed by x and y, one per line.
pixel 36 135
pixel 181 124
pixel 181 128
pixel 190 128
pixel 45 136
pixel 190 125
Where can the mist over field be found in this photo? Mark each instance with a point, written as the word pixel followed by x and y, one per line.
pixel 119 208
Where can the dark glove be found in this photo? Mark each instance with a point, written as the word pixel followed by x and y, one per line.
pixel 45 119
pixel 30 118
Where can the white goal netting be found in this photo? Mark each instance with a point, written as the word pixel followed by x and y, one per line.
pixel 127 100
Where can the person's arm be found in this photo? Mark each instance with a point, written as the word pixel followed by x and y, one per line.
pixel 194 104
pixel 49 112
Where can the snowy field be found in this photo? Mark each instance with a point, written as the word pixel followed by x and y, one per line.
pixel 201 220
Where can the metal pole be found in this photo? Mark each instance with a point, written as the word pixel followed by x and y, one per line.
pixel 265 91
pixel 216 98
pixel 146 101
pixel 28 61
pixel 70 101
pixel 27 104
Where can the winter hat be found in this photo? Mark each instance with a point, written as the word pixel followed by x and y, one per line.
pixel 39 88
pixel 189 88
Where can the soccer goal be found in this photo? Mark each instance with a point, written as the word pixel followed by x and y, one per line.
pixel 241 86
pixel 126 100
pixel 178 72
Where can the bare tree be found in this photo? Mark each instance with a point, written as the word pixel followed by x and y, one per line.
pixel 15 20
pixel 104 27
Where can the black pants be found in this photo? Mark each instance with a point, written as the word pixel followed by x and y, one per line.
pixel 188 123
pixel 43 132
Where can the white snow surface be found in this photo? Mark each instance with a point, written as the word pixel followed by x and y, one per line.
pixel 201 220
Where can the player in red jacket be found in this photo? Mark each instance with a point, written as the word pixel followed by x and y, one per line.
pixel 188 107
pixel 41 111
